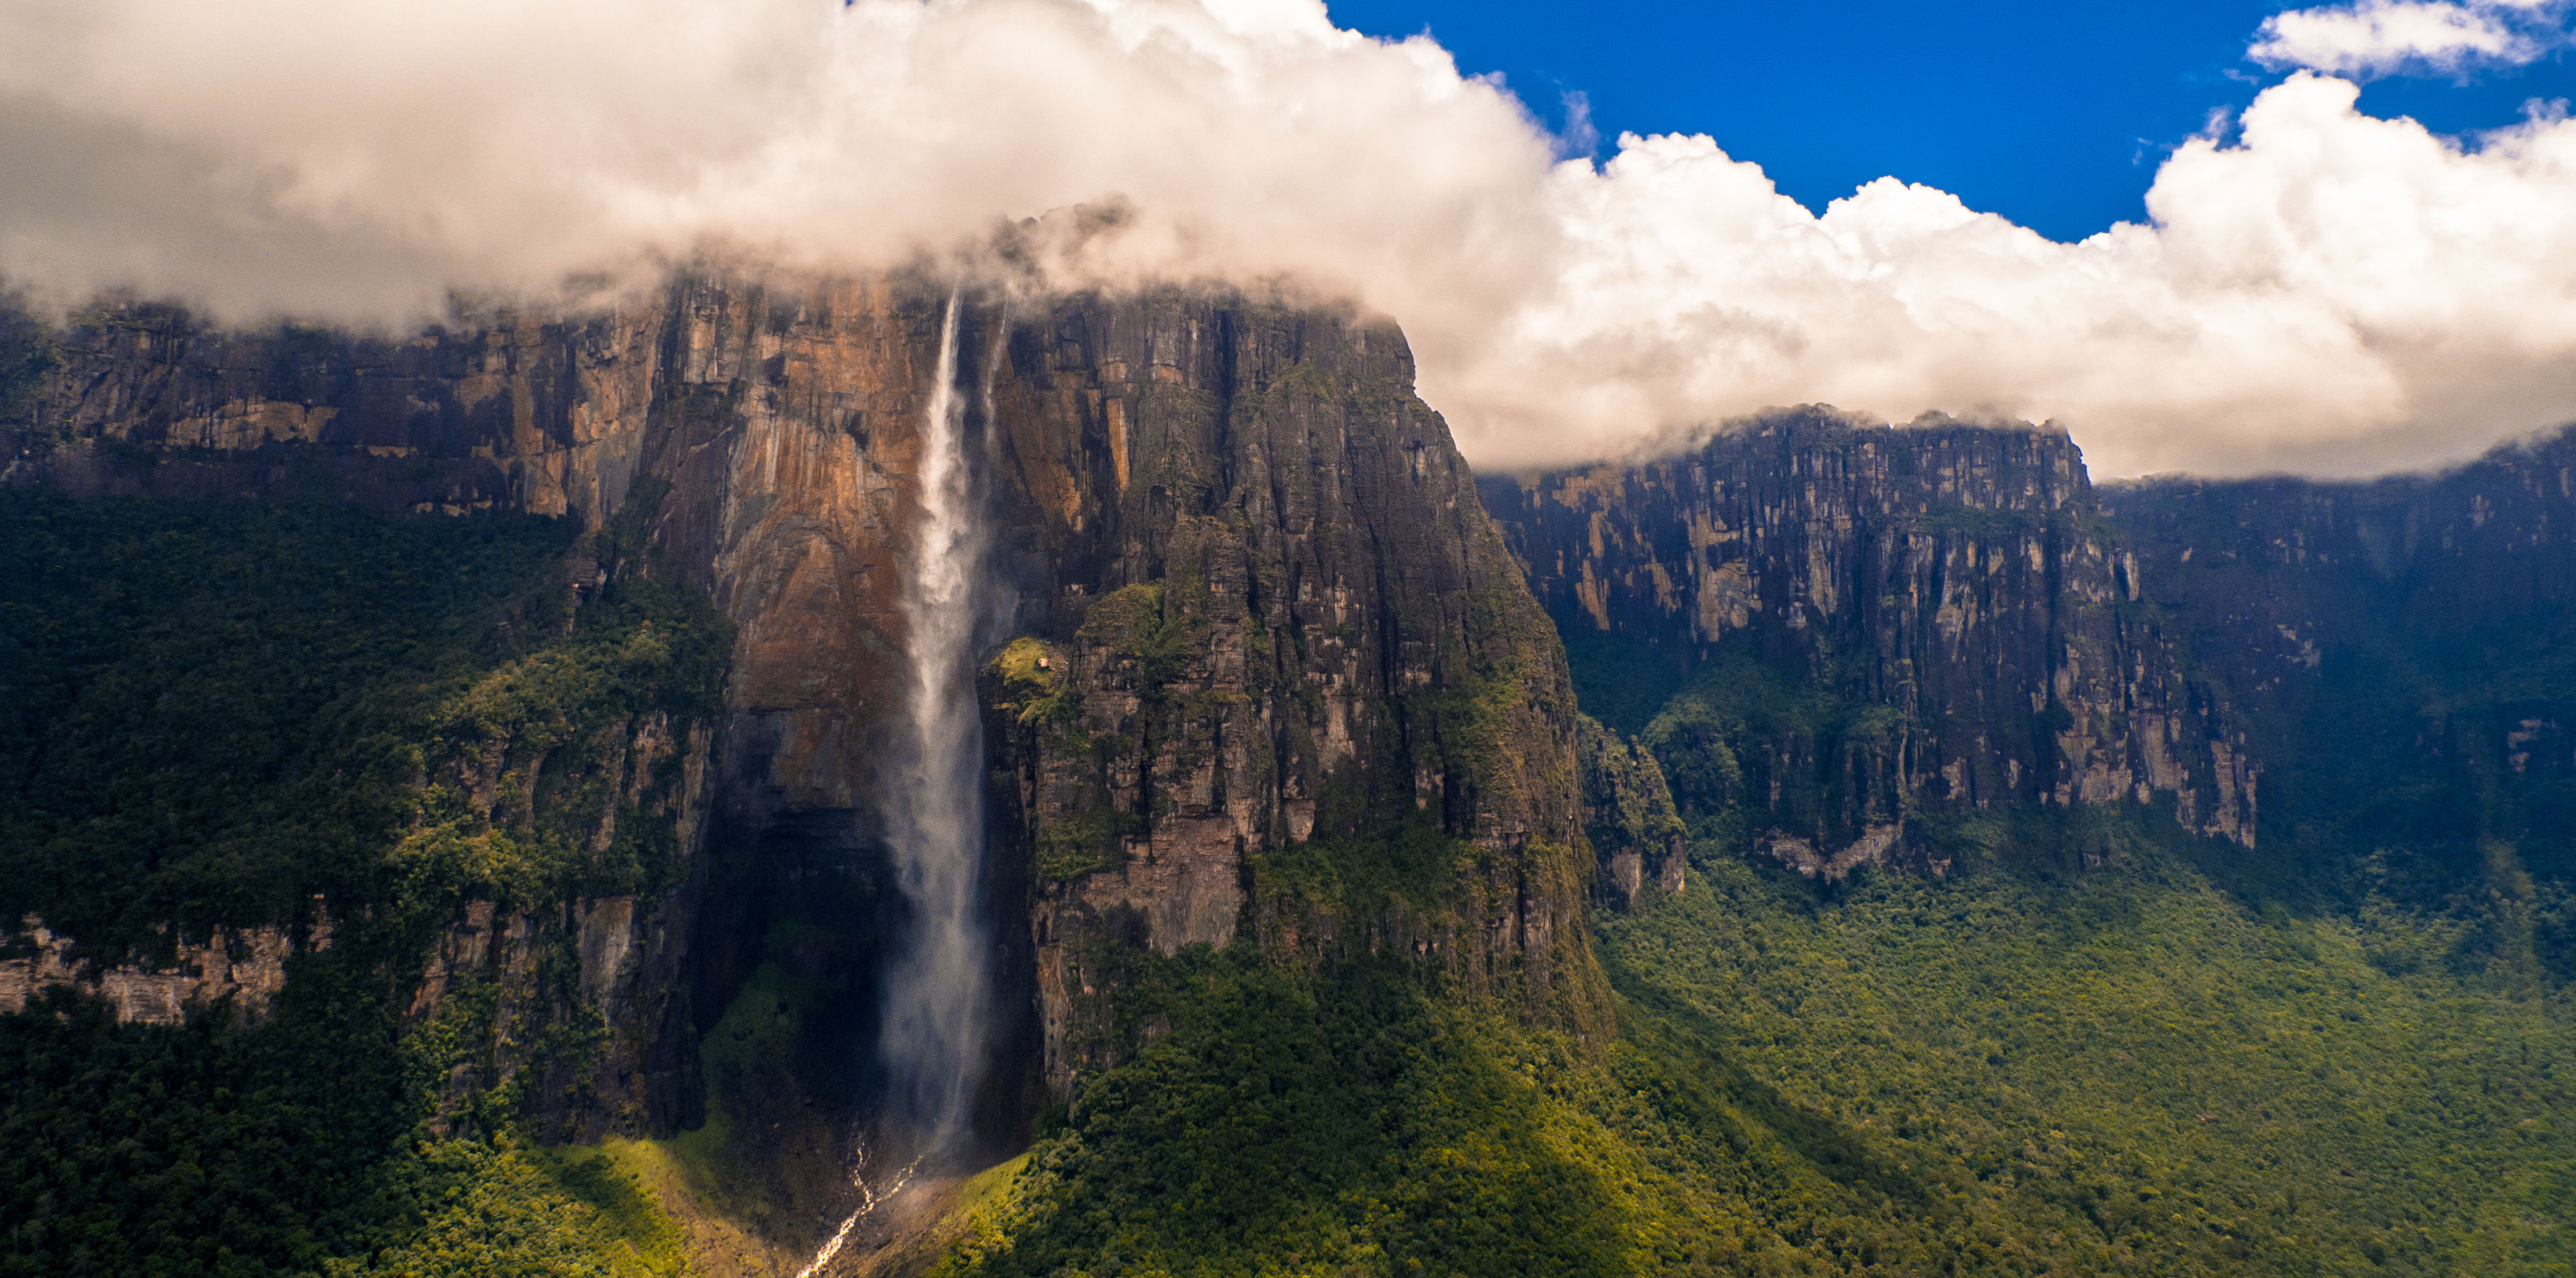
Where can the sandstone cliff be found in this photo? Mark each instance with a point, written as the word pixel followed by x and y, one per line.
pixel 545 974
pixel 1267 610
pixel 238 969
pixel 1280 616
pixel 1953 590
pixel 1628 813
pixel 2395 643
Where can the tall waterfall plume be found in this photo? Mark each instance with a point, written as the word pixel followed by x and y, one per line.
pixel 938 988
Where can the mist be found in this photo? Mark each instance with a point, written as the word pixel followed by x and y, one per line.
pixel 2315 290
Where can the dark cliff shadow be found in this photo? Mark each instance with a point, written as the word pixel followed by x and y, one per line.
pixel 1664 1024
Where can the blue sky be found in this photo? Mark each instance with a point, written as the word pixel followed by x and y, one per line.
pixel 2054 115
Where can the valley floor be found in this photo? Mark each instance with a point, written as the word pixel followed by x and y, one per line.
pixel 2131 1071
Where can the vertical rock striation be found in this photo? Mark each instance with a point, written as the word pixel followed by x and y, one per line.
pixel 2397 644
pixel 777 425
pixel 1628 814
pixel 1952 588
pixel 1261 599
pixel 2270 573
pixel 1267 611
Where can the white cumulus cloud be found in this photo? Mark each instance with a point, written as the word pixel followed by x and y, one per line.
pixel 2383 37
pixel 2318 290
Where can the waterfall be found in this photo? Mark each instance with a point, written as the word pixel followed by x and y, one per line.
pixel 936 991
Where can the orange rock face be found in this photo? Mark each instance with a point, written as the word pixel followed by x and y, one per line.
pixel 1281 612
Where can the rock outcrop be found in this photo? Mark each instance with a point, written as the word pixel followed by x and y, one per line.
pixel 1628 814
pixel 495 412
pixel 2394 643
pixel 550 968
pixel 777 427
pixel 1265 609
pixel 239 969
pixel 2271 572
pixel 1954 591
pixel 1256 561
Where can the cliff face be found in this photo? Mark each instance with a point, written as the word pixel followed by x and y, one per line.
pixel 1272 607
pixel 2271 572
pixel 1954 591
pixel 1265 608
pixel 751 415
pixel 519 414
pixel 1628 812
pixel 241 968
pixel 2395 643
pixel 543 969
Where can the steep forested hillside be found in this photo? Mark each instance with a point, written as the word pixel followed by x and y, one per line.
pixel 2136 1069
pixel 2096 1048
pixel 249 716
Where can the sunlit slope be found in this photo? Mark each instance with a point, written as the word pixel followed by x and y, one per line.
pixel 2133 1071
pixel 2126 1071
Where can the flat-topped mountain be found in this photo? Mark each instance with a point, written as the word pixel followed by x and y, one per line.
pixel 1978 633
pixel 644 752
pixel 1254 600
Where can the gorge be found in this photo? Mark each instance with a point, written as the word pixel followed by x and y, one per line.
pixel 1110 754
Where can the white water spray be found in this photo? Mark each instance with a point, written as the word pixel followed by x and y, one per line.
pixel 936 994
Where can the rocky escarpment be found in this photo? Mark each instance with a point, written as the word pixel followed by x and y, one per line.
pixel 238 969
pixel 1279 616
pixel 775 432
pixel 1980 636
pixel 2272 572
pixel 1629 815
pixel 2394 642
pixel 746 422
pixel 526 987
pixel 494 412
pixel 1266 611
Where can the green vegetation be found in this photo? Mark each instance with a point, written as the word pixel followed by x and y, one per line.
pixel 1334 1124
pixel 1960 521
pixel 499 1208
pixel 2391 763
pixel 754 1061
pixel 1157 637
pixel 216 711
pixel 1627 805
pixel 295 1147
pixel 1740 727
pixel 220 710
pixel 1084 843
pixel 1414 868
pixel 1032 682
pixel 1620 680
pixel 1474 716
pixel 2396 779
pixel 2136 1071
pixel 2103 1046
pixel 2020 1071
pixel 651 648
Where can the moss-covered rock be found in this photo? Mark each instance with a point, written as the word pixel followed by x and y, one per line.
pixel 1298 659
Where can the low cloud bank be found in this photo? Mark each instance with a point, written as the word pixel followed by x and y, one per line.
pixel 2318 290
